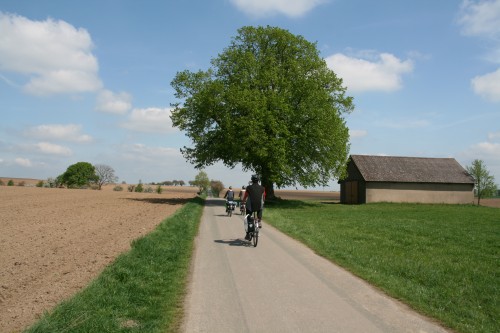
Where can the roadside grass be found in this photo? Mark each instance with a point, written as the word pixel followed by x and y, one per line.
pixel 142 290
pixel 442 260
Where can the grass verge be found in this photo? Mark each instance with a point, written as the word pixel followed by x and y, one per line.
pixel 443 260
pixel 142 290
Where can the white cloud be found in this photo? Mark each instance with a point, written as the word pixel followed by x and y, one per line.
pixel 488 148
pixel 55 56
pixel 383 74
pixel 480 18
pixel 150 120
pixel 24 162
pixel 118 103
pixel 488 86
pixel 487 151
pixel 262 8
pixel 143 152
pixel 358 133
pixel 70 132
pixel 494 136
pixel 52 149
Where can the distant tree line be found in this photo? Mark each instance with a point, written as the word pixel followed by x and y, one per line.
pixel 171 183
pixel 86 175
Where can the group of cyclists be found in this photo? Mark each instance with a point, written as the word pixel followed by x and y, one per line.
pixel 252 196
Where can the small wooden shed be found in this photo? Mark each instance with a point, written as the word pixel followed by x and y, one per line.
pixel 406 179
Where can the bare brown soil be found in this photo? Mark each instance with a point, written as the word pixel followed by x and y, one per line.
pixel 53 242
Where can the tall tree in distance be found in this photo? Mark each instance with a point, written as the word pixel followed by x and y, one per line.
pixel 484 182
pixel 201 180
pixel 105 174
pixel 269 102
pixel 78 175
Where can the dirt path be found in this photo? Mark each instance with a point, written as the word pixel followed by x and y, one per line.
pixel 53 242
pixel 281 286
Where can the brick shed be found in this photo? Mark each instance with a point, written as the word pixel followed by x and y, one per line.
pixel 405 179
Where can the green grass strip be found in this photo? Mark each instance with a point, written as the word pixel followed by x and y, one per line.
pixel 142 290
pixel 442 260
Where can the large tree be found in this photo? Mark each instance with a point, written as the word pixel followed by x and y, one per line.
pixel 105 175
pixel 201 180
pixel 484 182
pixel 269 102
pixel 78 175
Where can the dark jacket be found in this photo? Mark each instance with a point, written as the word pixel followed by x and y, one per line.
pixel 255 195
pixel 229 195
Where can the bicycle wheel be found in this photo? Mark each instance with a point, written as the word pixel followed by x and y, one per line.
pixel 255 238
pixel 230 212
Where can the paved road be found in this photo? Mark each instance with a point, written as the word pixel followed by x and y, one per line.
pixel 280 286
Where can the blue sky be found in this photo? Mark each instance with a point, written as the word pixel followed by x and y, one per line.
pixel 90 80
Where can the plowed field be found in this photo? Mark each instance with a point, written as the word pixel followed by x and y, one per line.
pixel 53 242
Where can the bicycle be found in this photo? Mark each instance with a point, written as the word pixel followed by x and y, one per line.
pixel 252 228
pixel 242 208
pixel 230 205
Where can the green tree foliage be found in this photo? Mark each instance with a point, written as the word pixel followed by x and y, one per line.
pixel 201 180
pixel 269 102
pixel 10 183
pixel 78 175
pixel 484 182
pixel 139 187
pixel 159 190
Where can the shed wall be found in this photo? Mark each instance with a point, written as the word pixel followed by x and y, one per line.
pixel 419 192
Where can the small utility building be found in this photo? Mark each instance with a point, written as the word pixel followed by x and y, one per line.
pixel 405 179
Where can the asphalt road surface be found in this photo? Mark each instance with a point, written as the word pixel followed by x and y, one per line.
pixel 280 286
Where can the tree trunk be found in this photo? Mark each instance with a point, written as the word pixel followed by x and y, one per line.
pixel 269 186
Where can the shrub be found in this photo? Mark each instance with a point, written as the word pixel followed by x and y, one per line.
pixel 2 183
pixel 131 188
pixel 118 188
pixel 10 183
pixel 40 183
pixel 159 189
pixel 139 187
pixel 148 189
pixel 52 182
pixel 21 183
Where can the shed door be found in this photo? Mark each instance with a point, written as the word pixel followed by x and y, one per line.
pixel 352 192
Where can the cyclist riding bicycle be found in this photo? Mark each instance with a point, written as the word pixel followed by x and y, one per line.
pixel 254 197
pixel 229 196
pixel 241 195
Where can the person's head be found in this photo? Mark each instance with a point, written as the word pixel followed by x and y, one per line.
pixel 255 179
pixel 243 187
pixel 230 187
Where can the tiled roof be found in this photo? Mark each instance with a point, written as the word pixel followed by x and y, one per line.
pixel 411 169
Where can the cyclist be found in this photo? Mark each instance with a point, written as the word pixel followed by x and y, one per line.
pixel 229 196
pixel 241 194
pixel 254 197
